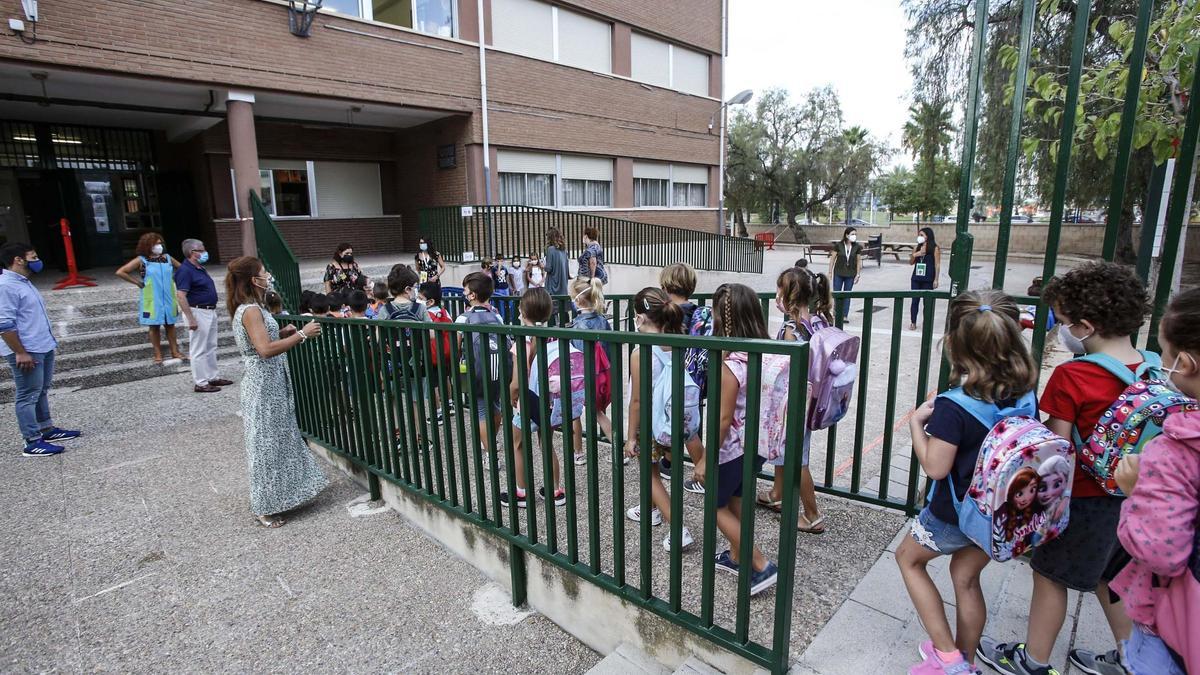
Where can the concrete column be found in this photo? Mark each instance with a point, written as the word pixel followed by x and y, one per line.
pixel 243 145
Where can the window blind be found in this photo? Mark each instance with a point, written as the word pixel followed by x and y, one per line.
pixel 348 189
pixel 584 42
pixel 690 71
pixel 518 161
pixel 650 60
pixel 689 173
pixel 524 27
pixel 651 170
pixel 589 168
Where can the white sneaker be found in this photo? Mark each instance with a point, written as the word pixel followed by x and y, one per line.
pixel 580 459
pixel 635 514
pixel 687 540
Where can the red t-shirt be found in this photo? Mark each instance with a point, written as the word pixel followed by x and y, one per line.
pixel 1080 392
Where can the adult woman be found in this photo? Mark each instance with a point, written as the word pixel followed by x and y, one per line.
pixel 283 473
pixel 591 261
pixel 156 277
pixel 558 273
pixel 845 266
pixel 343 273
pixel 926 260
pixel 430 266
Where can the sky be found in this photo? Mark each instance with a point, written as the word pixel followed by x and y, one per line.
pixel 857 46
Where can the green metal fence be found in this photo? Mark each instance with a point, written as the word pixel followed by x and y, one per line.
pixel 276 255
pixel 366 391
pixel 484 231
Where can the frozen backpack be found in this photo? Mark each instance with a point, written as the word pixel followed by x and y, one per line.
pixel 832 369
pixel 773 400
pixel 663 408
pixel 1020 491
pixel 695 359
pixel 575 388
pixel 1132 421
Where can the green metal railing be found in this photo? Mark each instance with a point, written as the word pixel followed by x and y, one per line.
pixel 276 255
pixel 521 230
pixel 366 390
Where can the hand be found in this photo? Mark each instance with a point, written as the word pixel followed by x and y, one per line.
pixel 25 361
pixel 1127 473
pixel 311 330
pixel 631 448
pixel 923 413
pixel 936 282
pixel 192 324
pixel 287 332
pixel 698 473
pixel 856 280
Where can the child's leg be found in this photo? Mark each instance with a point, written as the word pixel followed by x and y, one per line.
pixel 1047 612
pixel 659 495
pixel 971 609
pixel 605 423
pixel 1118 621
pixel 808 495
pixel 518 460
pixel 912 558
pixel 729 521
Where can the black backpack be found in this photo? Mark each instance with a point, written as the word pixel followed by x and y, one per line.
pixel 495 348
pixel 407 313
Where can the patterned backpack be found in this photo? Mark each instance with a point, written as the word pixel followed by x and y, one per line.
pixel 1132 421
pixel 832 369
pixel 1020 492
pixel 695 359
pixel 773 401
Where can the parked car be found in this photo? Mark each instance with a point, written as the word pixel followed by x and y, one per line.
pixel 1076 218
pixel 859 222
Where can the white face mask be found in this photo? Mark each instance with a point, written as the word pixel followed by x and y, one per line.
pixel 424 247
pixel 1175 369
pixel 1069 341
pixel 853 238
pixel 157 249
pixel 920 239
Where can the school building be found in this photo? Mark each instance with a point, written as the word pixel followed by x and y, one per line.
pixel 127 116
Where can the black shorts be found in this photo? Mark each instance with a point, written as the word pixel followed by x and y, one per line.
pixel 729 478
pixel 1088 551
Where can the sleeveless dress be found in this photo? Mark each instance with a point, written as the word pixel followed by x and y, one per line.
pixel 283 472
pixel 159 303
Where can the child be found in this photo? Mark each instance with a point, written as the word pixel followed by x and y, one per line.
pixel 988 355
pixel 337 304
pixel 477 290
pixel 379 298
pixel 679 282
pixel 535 272
pixel 496 270
pixel 736 314
pixel 429 295
pixel 274 303
pixel 357 302
pixel 536 307
pixel 402 284
pixel 655 313
pixel 516 275
pixel 306 297
pixel 1158 524
pixel 318 305
pixel 798 290
pixel 1100 305
pixel 589 298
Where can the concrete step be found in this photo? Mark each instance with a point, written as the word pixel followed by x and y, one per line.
pixel 138 352
pixel 627 659
pixel 108 339
pixel 117 321
pixel 115 373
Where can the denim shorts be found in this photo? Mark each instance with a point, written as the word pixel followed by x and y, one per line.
pixel 806 445
pixel 1147 654
pixel 482 408
pixel 937 535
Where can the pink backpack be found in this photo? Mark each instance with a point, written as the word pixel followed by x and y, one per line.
pixel 832 369
pixel 772 411
pixel 1177 611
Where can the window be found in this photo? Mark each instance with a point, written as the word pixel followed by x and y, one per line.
pixel 661 63
pixel 526 178
pixel 649 192
pixel 435 17
pixel 689 185
pixel 545 31
pixel 348 189
pixel 290 188
pixel 587 181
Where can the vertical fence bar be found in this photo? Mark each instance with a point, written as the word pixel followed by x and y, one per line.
pixel 522 366
pixel 593 460
pixel 889 413
pixel 568 432
pixel 1008 197
pixel 746 548
pixel 457 372
pixel 490 426
pixel 712 452
pixel 543 375
pixel 645 447
pixel 784 590
pixel 914 475
pixel 677 454
pixel 864 377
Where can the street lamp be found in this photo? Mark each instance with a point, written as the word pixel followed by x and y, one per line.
pixel 740 98
pixel 301 14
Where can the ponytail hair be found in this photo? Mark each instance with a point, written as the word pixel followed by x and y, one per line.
pixel 822 296
pixel 592 291
pixel 656 306
pixel 737 313
pixel 801 289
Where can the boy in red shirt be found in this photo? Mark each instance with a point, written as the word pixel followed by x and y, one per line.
pixel 1099 305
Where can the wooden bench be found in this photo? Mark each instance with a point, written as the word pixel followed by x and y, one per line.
pixel 810 249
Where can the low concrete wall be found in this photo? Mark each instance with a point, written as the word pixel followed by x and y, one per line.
pixel 592 615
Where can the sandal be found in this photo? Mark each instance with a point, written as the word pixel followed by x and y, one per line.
pixel 764 500
pixel 270 523
pixel 803 524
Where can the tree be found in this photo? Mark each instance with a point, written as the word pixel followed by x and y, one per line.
pixel 927 137
pixel 858 174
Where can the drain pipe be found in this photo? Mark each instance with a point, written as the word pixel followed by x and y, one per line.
pixel 487 152
pixel 722 113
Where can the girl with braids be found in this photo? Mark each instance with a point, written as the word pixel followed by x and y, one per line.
pixel 796 291
pixel 656 313
pixel 737 314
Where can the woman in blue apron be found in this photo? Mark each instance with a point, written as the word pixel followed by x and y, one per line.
pixel 158 305
pixel 926 260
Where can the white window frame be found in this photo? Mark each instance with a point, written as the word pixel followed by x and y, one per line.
pixel 366 11
pixel 555 192
pixel 555 56
pixel 312 193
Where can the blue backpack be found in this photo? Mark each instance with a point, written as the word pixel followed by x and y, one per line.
pixel 695 359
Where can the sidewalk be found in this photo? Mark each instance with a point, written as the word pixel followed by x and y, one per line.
pixel 879 607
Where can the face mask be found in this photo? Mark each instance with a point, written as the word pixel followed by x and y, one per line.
pixel 779 305
pixel 348 258
pixel 269 286
pixel 920 239
pixel 35 266
pixel 1175 369
pixel 854 237
pixel 203 257
pixel 424 247
pixel 638 323
pixel 157 249
pixel 1070 342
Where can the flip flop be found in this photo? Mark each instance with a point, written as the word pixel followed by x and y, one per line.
pixel 764 500
pixel 803 524
pixel 271 524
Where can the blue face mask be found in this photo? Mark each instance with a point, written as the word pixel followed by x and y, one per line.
pixel 203 257
pixel 35 266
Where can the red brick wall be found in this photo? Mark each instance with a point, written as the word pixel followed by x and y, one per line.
pixel 692 22
pixel 317 237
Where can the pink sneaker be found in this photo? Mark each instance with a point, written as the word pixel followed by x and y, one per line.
pixel 933 665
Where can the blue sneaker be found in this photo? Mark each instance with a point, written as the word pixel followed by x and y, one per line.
pixel 762 580
pixel 41 448
pixel 56 434
pixel 725 562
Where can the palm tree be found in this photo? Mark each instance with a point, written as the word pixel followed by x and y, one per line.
pixel 855 137
pixel 926 134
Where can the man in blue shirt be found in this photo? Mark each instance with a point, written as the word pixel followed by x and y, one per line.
pixel 28 346
pixel 198 301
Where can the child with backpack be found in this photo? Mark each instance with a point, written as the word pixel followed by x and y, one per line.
pixel 988 355
pixel 807 305
pixel 738 315
pixel 589 299
pixel 1099 306
pixel 379 298
pixel 679 282
pixel 656 313
pixel 536 308
pixel 492 348
pixel 1160 587
pixel 429 295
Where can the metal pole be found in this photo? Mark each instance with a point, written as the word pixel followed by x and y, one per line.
pixel 487 152
pixel 721 112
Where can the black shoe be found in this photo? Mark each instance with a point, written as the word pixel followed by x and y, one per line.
pixel 560 496
pixel 206 389
pixel 520 500
pixel 220 383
